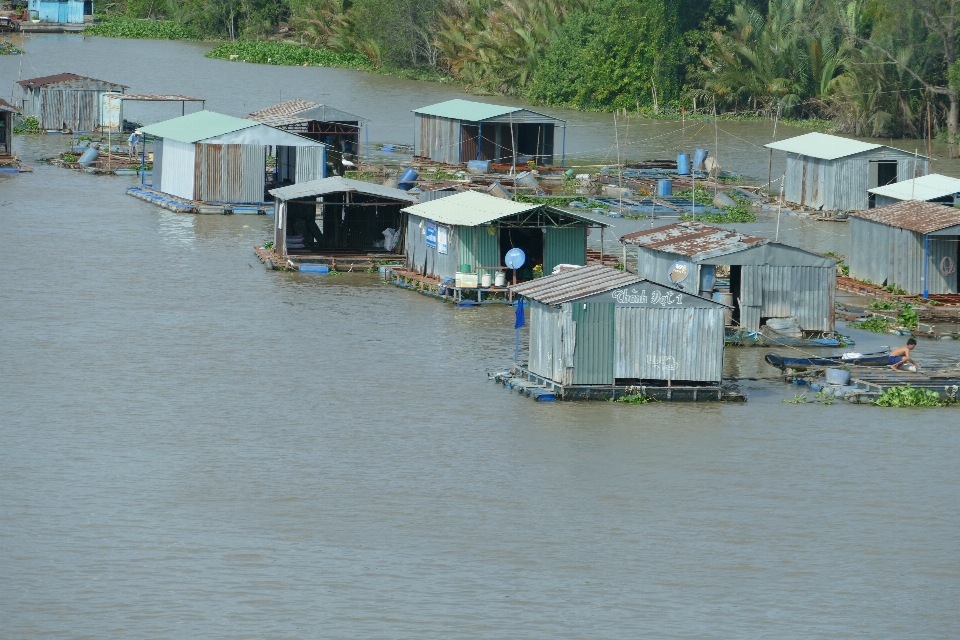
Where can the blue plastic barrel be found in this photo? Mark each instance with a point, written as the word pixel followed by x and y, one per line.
pixel 664 188
pixel 699 155
pixel 88 157
pixel 683 164
pixel 478 166
pixel 409 176
pixel 314 268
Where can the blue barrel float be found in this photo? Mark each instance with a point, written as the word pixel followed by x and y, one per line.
pixel 88 157
pixel 407 179
pixel 664 187
pixel 699 155
pixel 683 164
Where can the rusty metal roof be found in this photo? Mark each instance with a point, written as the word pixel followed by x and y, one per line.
pixel 913 215
pixel 156 97
pixel 62 77
pixel 6 106
pixel 694 240
pixel 575 284
pixel 297 110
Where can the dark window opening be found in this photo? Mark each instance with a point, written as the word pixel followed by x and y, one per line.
pixel 530 241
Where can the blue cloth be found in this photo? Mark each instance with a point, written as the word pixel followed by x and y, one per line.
pixel 894 359
pixel 521 319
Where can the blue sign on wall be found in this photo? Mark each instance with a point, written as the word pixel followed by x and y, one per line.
pixel 431 234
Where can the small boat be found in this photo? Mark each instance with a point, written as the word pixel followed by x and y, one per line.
pixel 875 359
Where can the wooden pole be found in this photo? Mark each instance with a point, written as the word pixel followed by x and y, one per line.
pixel 929 142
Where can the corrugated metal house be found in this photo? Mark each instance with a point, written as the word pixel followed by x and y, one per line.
pixel 767 279
pixel 211 157
pixel 932 188
pixel 337 129
pixel 910 244
pixel 336 214
pixel 600 326
pixel 61 11
pixel 65 101
pixel 470 232
pixel 831 173
pixel 6 127
pixel 456 131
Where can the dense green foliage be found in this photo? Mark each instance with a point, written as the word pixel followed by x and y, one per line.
pixel 282 53
pixel 910 397
pixel 7 49
pixel 28 125
pixel 121 27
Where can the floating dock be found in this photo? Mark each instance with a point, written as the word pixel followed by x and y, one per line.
pixel 182 205
pixel 446 290
pixel 531 385
pixel 870 383
pixel 325 263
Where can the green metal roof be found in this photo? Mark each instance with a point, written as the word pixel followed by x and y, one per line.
pixel 198 126
pixel 472 208
pixel 474 111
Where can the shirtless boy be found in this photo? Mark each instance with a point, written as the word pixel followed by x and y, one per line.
pixel 901 355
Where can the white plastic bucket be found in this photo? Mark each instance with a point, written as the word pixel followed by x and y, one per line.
pixel 501 279
pixel 838 376
pixel 486 280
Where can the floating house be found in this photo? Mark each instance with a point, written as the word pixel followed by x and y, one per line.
pixel 65 101
pixel 6 129
pixel 456 131
pixel 338 219
pixel 831 173
pixel 337 129
pixel 767 279
pixel 596 326
pixel 111 107
pixel 60 11
pixel 910 244
pixel 470 232
pixel 211 157
pixel 932 188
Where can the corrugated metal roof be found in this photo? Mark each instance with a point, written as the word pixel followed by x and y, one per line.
pixel 6 106
pixel 155 97
pixel 297 110
pixel 922 188
pixel 913 215
pixel 339 185
pixel 472 208
pixel 823 146
pixel 197 126
pixel 694 240
pixel 62 77
pixel 575 284
pixel 473 111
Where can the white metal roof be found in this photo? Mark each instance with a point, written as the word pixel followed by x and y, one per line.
pixel 928 187
pixel 822 146
pixel 339 185
pixel 472 208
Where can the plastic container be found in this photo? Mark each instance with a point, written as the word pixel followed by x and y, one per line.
pixel 527 179
pixel 478 166
pixel 838 377
pixel 314 268
pixel 486 280
pixel 683 164
pixel 699 155
pixel 409 176
pixel 664 188
pixel 88 157
pixel 726 298
pixel 466 268
pixel 501 279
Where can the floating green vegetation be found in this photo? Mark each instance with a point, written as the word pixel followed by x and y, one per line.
pixel 359 175
pixel 876 324
pixel 908 318
pixel 281 53
pixel 69 157
pixel 738 213
pixel 843 268
pixel 7 49
pixel 909 396
pixel 28 125
pixel 884 305
pixel 635 398
pixel 120 27
pixel 558 201
pixel 268 245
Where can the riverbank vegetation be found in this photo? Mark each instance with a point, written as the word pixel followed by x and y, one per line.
pixel 868 67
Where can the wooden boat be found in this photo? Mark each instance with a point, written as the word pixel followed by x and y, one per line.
pixel 875 359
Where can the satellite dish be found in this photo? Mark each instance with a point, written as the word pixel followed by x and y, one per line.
pixel 514 258
pixel 679 271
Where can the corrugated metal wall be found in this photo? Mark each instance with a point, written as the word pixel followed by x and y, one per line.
pixel 311 163
pixel 564 245
pixel 75 12
pixel 437 138
pixel 427 196
pixel 76 109
pixel 427 260
pixel 804 293
pixel 884 254
pixel 231 173
pixel 655 265
pixel 486 239
pixel 156 178
pixel 179 160
pixel 546 341
pixel 669 344
pixel 593 359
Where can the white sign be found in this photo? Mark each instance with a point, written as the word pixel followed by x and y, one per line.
pixel 664 363
pixel 656 297
pixel 442 235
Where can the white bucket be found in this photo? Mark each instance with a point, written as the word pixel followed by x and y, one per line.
pixel 501 279
pixel 486 280
pixel 838 376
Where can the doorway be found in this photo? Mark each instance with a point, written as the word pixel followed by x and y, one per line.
pixel 882 173
pixel 530 241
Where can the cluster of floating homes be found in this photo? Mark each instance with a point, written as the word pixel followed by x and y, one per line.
pixel 656 321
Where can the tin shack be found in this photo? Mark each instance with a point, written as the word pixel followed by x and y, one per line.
pixel 932 188
pixel 60 11
pixel 767 280
pixel 596 327
pixel 831 173
pixel 338 220
pixel 456 131
pixel 65 101
pixel 470 232
pixel 337 129
pixel 6 129
pixel 211 157
pixel 910 244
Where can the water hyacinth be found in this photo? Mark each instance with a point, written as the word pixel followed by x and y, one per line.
pixel 280 53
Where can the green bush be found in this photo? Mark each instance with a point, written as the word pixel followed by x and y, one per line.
pixel 69 157
pixel 29 125
pixel 280 53
pixel 876 324
pixel 909 397
pixel 119 27
pixel 635 398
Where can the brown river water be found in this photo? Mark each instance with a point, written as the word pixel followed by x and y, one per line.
pixel 191 446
